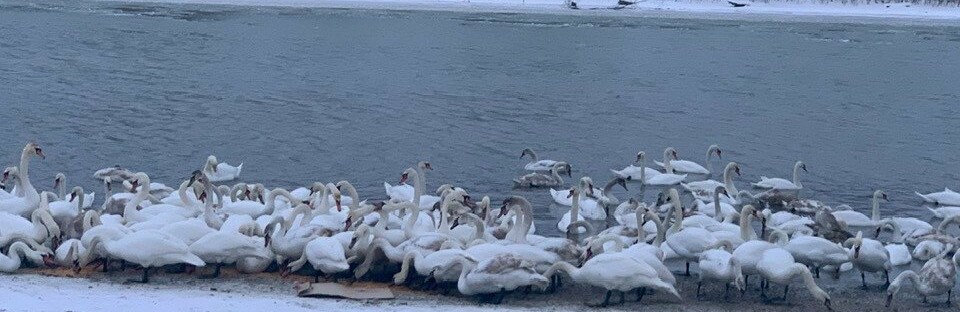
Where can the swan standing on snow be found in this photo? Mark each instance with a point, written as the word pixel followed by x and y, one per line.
pixel 936 277
pixel 783 184
pixel 686 166
pixel 947 197
pixel 612 270
pixel 537 164
pixel 858 219
pixel 498 275
pixel 149 249
pixel 719 265
pixel 219 172
pixel 689 242
pixel 538 179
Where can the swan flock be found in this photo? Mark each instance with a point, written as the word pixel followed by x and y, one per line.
pixel 485 248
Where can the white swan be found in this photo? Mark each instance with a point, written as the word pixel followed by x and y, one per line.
pixel 689 242
pixel 538 179
pixel 225 247
pixel 937 276
pixel 404 192
pixel 945 212
pixel 686 166
pixel 778 267
pixel 537 164
pixel 634 173
pixel 65 211
pixel 660 179
pixel 703 190
pixel 443 265
pixel 858 219
pixel 254 208
pixel 783 184
pixel 219 172
pixel 719 265
pixel 11 261
pixel 868 255
pixel 749 253
pixel 69 253
pixel 574 214
pixel 40 228
pixel 817 252
pixel 499 274
pixel 26 197
pixel 613 271
pixel 150 248
pixel 947 197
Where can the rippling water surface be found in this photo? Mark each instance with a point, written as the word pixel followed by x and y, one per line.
pixel 300 95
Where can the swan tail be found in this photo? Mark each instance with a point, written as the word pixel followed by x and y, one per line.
pixel 193 260
pixel 658 163
pixel 387 187
pixel 925 198
pixel 620 174
pixel 935 213
pixel 239 168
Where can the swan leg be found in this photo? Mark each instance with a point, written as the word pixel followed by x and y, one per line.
pixel 726 292
pixel 886 275
pixel 786 289
pixel 499 296
pixel 836 274
pixel 606 300
pixel 863 279
pixel 698 288
pixel 924 299
pixel 622 299
pixel 143 279
pixel 106 264
pixel 949 294
pixel 215 274
pixel 316 276
pixel 688 269
pixel 640 292
pixel 746 283
pixel 817 270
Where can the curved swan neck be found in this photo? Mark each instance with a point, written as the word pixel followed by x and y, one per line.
pixel 728 178
pixel 271 203
pixel 745 218
pixel 575 206
pixel 875 215
pixel 355 203
pixel 598 243
pixel 182 191
pixel 796 174
pixel 908 275
pixel 667 166
pixel 809 282
pixel 661 230
pixel 561 266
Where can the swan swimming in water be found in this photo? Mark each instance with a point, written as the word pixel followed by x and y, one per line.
pixel 686 166
pixel 218 172
pixel 783 184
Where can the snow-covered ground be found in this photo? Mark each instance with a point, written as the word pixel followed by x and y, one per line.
pixel 795 8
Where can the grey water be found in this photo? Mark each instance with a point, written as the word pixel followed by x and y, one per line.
pixel 301 95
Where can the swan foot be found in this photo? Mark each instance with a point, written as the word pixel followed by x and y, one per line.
pixel 640 293
pixel 786 290
pixel 604 304
pixel 863 279
pixel 699 284
pixel 143 279
pixel 949 294
pixel 215 274
pixel 688 269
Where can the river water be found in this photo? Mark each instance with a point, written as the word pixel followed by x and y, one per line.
pixel 300 95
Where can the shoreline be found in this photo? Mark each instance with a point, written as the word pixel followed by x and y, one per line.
pixel 892 14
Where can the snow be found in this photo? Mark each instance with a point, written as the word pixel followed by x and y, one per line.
pixel 658 7
pixel 30 292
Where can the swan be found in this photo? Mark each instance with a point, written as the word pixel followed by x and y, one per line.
pixel 60 184
pixel 931 245
pixel 817 252
pixel 40 228
pixel 115 173
pixel 868 255
pixel 634 173
pixel 442 265
pixel 68 253
pixel 686 166
pixel 11 261
pixel 574 214
pixel 254 208
pixel 749 253
pixel 189 230
pixel 689 242
pixel 660 179
pixel 857 219
pixel 497 275
pixel 219 172
pixel 537 164
pixel 945 212
pixel 404 192
pixel 783 184
pixel 65 211
pixel 778 267
pixel 947 197
pixel 26 196
pixel 720 210
pixel 612 271
pixel 936 277
pixel 719 265
pixel 537 179
pixel 225 247
pixel 325 254
pixel 703 190
pixel 149 248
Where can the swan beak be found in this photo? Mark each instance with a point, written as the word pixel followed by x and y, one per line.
pixel 877 234
pixel 353 242
pixel 572 191
pixel 49 261
pixel 889 299
pixel 885 197
pixel 109 187
pixel 737 169
pixel 675 157
pixel 203 197
pixel 72 197
pixel 623 183
pixel 856 252
pixel 246 193
pixel 719 154
pixel 804 167
pixel 56 183
pixel 135 184
pixel 428 166
pixel 403 178
pixel 6 175
pixel 40 153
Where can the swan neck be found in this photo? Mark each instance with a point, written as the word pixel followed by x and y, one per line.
pixel 575 207
pixel 728 180
pixel 808 280
pixel 796 175
pixel 875 215
pixel 562 267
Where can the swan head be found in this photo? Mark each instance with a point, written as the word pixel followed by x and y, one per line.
pixel 715 149
pixel 76 192
pixel 527 151
pixel 34 149
pixel 59 179
pixel 407 173
pixel 573 192
pixel 670 152
pixel 640 156
pixel 563 167
pixel 8 172
pixel 212 163
pixel 733 167
pixel 879 194
pixel 801 165
pixel 424 165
